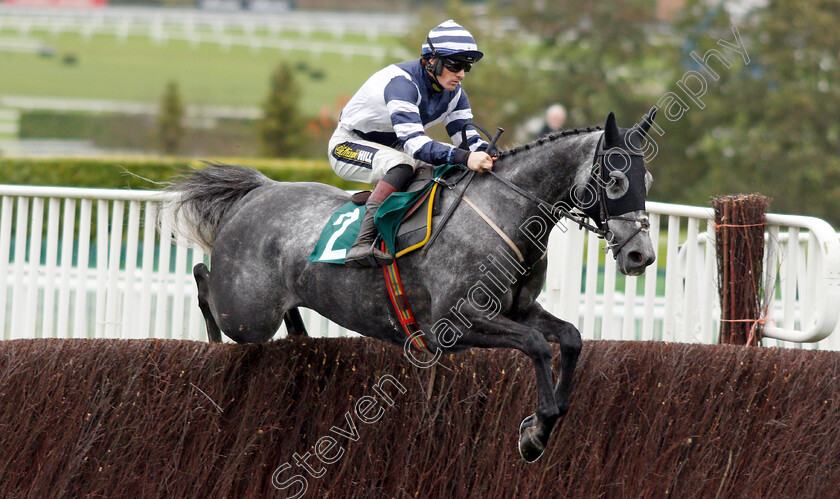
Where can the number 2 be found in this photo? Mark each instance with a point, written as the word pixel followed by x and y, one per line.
pixel 347 219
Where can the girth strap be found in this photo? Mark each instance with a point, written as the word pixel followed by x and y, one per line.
pixel 446 216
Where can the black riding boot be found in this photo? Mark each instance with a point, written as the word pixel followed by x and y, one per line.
pixel 362 253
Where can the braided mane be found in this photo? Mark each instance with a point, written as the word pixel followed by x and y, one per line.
pixel 548 138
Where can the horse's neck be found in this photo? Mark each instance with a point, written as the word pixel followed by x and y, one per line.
pixel 549 170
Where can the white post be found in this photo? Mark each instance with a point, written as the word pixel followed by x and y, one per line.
pixel 148 268
pixel 178 329
pixel 52 263
pixel 690 324
pixel 651 277
pixel 771 260
pixel 802 286
pixel 592 267
pixel 572 275
pixel 608 329
pixel 113 293
pixel 5 246
pixel 708 297
pixel 129 321
pixel 67 236
pixel 789 266
pixel 672 281
pixel 80 318
pixel 101 266
pixel 161 309
pixel 34 266
pixel 809 297
pixel 557 245
pixel 628 326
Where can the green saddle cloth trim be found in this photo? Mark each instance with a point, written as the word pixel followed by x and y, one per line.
pixel 390 214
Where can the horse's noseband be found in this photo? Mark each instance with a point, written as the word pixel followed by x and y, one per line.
pixel 642 225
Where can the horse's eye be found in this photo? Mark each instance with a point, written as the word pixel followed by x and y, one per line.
pixel 618 185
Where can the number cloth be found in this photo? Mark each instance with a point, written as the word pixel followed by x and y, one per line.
pixel 341 229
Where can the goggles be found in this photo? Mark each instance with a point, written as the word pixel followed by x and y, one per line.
pixel 456 66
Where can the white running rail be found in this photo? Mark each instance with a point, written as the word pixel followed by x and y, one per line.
pixel 88 263
pixel 801 272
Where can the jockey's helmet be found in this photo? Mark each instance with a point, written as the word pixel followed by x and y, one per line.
pixel 450 40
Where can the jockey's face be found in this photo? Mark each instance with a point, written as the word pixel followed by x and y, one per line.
pixel 449 79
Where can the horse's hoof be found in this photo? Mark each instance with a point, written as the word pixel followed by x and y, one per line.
pixel 527 423
pixel 530 447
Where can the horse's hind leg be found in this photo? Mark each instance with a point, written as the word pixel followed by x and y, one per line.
pixel 202 275
pixel 294 323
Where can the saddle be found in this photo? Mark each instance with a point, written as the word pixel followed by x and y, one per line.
pixel 404 219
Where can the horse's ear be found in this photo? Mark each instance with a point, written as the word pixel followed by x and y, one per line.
pixel 645 124
pixel 611 135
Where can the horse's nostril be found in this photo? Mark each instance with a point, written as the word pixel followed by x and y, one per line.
pixel 636 257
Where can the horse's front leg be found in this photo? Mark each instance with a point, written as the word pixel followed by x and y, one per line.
pixel 501 332
pixel 557 331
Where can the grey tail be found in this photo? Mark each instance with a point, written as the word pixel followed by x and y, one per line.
pixel 197 202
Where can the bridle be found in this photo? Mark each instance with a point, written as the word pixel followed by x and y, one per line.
pixel 600 169
pixel 599 174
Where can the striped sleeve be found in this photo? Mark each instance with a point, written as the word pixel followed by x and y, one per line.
pixel 402 98
pixel 455 121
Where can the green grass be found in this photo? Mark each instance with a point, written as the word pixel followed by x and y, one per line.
pixel 138 70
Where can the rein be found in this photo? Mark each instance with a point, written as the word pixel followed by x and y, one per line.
pixel 599 173
pixel 599 170
pixel 491 148
pixel 578 219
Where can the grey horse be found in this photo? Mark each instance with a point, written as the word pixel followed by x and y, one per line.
pixel 469 289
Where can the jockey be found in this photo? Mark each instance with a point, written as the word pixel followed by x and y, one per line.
pixel 381 135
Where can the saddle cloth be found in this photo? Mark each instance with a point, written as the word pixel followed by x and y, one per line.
pixel 404 219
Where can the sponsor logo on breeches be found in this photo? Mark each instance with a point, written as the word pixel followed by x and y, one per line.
pixel 355 154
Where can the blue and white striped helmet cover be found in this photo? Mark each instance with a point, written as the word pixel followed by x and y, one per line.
pixel 450 38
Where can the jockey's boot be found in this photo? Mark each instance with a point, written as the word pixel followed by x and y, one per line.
pixel 363 253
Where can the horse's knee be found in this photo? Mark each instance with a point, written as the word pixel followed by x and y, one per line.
pixel 201 274
pixel 571 342
pixel 201 271
pixel 538 348
pixel 202 277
